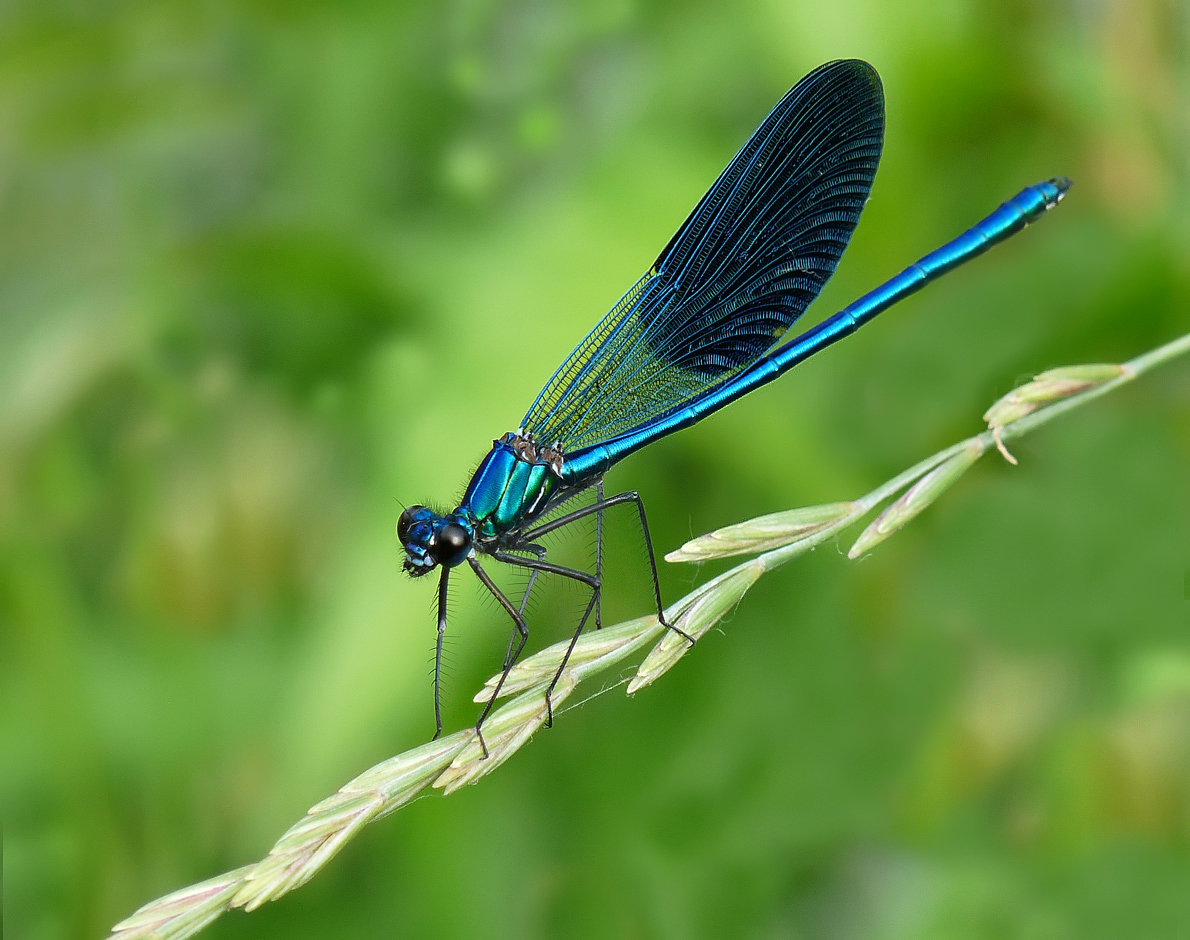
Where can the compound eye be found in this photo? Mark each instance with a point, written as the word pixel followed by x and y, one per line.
pixel 451 544
pixel 405 523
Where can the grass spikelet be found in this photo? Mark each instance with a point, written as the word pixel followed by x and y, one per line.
pixel 1044 389
pixel 1048 387
pixel 715 599
pixel 764 533
pixel 920 495
pixel 313 841
pixel 183 913
pixel 594 652
pixel 505 732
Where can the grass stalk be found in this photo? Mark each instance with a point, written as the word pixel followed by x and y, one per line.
pixel 456 761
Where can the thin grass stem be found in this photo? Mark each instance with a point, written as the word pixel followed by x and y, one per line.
pixel 455 761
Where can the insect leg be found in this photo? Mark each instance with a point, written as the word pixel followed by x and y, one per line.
pixel 438 653
pixel 620 499
pixel 573 574
pixel 599 555
pixel 539 551
pixel 548 567
pixel 510 657
pixel 634 496
pixel 549 703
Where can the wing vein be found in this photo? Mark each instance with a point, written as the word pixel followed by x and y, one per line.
pixel 755 252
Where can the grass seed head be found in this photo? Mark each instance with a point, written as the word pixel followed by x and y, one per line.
pixel 917 498
pixel 1050 386
pixel 763 534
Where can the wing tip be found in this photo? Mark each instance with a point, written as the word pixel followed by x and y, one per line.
pixel 861 68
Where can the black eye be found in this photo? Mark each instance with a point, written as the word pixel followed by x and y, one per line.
pixel 405 523
pixel 451 544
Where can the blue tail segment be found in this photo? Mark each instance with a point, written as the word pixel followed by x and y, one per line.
pixel 1026 206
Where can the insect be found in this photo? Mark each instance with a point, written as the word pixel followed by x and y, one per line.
pixel 691 336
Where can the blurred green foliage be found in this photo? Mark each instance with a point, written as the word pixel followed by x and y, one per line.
pixel 265 267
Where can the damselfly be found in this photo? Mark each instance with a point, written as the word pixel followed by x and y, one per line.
pixel 691 336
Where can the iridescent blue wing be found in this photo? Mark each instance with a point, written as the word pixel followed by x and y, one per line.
pixel 751 257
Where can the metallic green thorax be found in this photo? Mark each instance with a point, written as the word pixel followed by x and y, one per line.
pixel 512 484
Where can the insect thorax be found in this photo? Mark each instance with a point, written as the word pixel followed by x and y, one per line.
pixel 513 483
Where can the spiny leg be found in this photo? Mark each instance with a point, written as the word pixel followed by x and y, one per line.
pixel 598 556
pixel 438 653
pixel 597 507
pixel 548 567
pixel 549 692
pixel 575 575
pixel 539 551
pixel 509 660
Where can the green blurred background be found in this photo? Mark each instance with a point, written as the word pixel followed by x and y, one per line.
pixel 267 267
